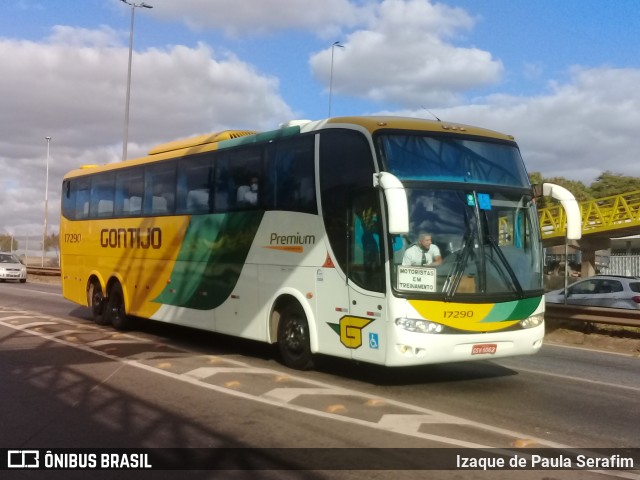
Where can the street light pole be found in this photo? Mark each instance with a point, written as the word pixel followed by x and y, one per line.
pixel 335 44
pixel 46 201
pixel 125 140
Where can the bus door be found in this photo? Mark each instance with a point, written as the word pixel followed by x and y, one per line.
pixel 355 284
pixel 367 311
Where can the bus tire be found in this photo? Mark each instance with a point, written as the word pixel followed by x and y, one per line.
pixel 97 303
pixel 116 312
pixel 293 338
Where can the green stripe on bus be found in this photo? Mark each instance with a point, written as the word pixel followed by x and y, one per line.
pixel 516 310
pixel 526 307
pixel 260 137
pixel 211 258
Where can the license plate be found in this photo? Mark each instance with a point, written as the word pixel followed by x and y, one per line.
pixel 484 349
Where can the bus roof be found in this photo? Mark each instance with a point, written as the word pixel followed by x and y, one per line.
pixel 374 123
pixel 199 140
pixel 231 138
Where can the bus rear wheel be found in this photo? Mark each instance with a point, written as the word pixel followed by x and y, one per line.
pixel 293 338
pixel 115 312
pixel 97 303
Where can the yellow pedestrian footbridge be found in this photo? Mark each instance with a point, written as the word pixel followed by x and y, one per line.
pixel 608 217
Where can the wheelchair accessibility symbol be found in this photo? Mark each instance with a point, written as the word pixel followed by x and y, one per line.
pixel 373 341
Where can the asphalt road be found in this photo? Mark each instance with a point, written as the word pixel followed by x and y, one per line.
pixel 67 383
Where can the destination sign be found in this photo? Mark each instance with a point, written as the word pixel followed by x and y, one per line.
pixel 417 279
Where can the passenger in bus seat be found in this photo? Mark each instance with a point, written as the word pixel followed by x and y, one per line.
pixel 424 252
pixel 248 194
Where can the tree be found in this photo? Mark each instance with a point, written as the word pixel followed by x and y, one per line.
pixel 577 188
pixel 536 178
pixel 609 183
pixel 6 243
pixel 606 185
pixel 52 242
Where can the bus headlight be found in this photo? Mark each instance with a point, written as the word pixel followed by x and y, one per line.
pixel 532 321
pixel 419 326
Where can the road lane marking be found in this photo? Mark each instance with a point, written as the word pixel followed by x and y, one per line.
pixel 34 290
pixel 578 379
pixel 550 343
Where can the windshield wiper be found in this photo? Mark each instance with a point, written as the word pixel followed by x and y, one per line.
pixel 455 277
pixel 512 274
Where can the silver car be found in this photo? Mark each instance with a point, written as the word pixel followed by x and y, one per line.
pixel 11 268
pixel 601 291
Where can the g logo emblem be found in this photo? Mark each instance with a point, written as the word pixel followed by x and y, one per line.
pixel 351 330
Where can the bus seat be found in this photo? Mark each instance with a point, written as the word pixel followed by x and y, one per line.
pixel 135 205
pixel 198 200
pixel 242 191
pixel 105 208
pixel 158 204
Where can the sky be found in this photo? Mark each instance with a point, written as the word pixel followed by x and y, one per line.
pixel 562 77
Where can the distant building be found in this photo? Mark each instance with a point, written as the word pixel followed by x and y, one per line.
pixel 624 257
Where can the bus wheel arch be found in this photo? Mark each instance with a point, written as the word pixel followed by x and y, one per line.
pixel 96 300
pixel 290 326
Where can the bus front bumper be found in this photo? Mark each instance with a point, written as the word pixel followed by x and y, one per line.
pixel 412 348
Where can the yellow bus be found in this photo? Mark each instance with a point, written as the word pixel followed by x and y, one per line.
pixel 312 235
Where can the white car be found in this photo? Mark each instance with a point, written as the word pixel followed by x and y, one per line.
pixel 11 268
pixel 601 291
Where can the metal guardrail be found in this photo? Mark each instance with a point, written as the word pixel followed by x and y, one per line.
pixel 48 271
pixel 605 316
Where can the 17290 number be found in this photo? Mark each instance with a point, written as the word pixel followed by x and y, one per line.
pixel 458 313
pixel 72 237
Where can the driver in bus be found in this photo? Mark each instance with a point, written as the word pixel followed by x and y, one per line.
pixel 423 253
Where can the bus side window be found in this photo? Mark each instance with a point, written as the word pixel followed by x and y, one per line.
pixel 102 194
pixel 223 185
pixel 83 195
pixel 69 199
pixel 366 266
pixel 290 181
pixel 129 191
pixel 234 174
pixel 194 185
pixel 159 189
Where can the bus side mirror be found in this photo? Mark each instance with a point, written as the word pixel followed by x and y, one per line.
pixel 570 205
pixel 537 190
pixel 396 198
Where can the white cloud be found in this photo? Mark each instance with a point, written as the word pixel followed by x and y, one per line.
pixel 244 18
pixel 405 56
pixel 72 87
pixel 79 37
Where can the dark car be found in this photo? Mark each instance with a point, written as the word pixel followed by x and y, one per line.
pixel 601 291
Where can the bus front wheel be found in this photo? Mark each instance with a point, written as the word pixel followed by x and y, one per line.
pixel 97 303
pixel 293 338
pixel 115 312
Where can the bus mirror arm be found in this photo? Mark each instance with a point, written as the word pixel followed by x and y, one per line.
pixel 396 198
pixel 537 190
pixel 570 205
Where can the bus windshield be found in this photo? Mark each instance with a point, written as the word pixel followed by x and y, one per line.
pixel 453 159
pixel 483 242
